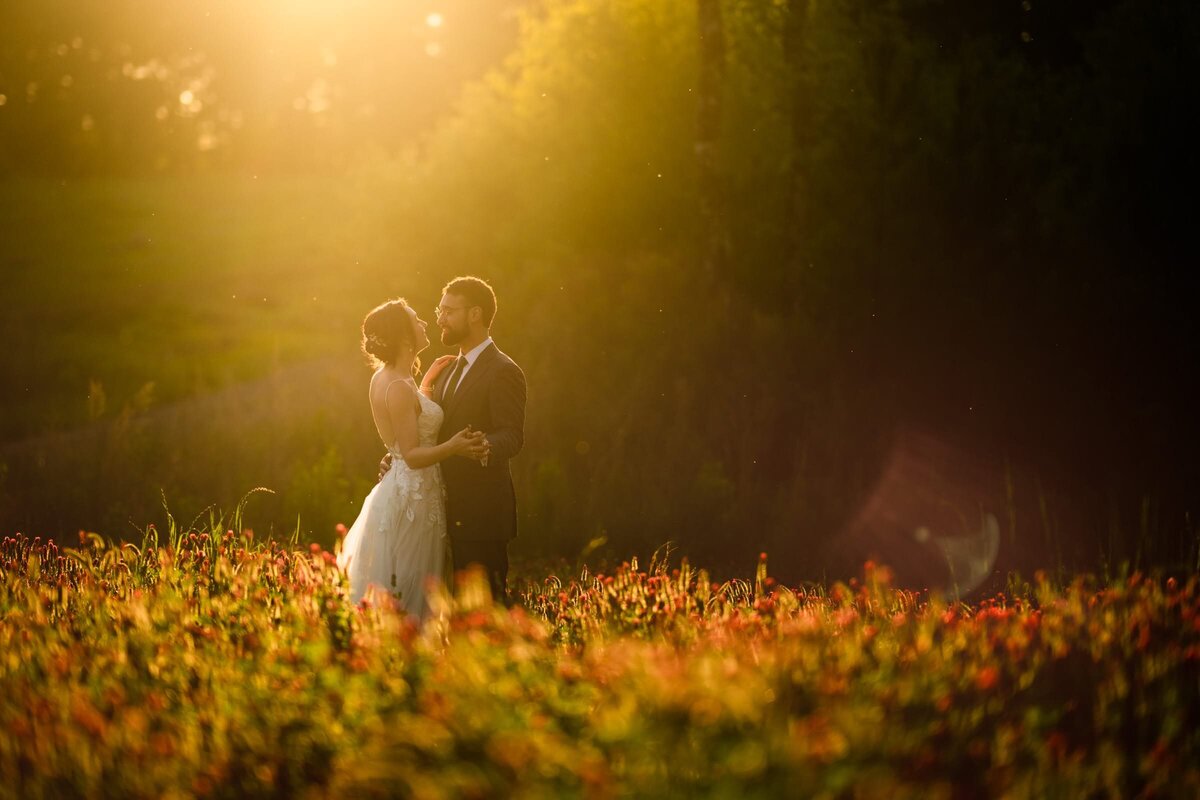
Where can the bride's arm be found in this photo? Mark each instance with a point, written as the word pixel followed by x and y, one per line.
pixel 402 410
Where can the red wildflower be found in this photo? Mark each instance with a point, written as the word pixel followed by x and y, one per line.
pixel 1143 637
pixel 1057 744
pixel 986 678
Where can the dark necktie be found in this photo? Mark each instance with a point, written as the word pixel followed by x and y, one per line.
pixel 455 376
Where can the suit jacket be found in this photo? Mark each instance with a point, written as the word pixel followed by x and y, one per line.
pixel 481 504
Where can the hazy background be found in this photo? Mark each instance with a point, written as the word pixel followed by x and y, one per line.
pixel 835 280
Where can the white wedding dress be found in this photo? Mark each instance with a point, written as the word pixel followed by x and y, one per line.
pixel 398 541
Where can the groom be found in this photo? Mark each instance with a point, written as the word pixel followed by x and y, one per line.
pixel 485 389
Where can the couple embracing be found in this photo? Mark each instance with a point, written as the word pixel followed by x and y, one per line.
pixel 446 493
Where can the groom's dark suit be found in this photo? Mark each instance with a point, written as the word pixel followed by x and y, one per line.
pixel 481 505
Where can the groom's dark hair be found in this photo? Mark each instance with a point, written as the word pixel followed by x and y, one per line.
pixel 478 293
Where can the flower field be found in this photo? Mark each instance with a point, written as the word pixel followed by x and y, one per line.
pixel 218 665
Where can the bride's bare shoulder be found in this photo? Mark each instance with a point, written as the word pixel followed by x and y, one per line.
pixel 385 376
pixel 386 384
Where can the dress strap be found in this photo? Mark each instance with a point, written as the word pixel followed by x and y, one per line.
pixel 388 389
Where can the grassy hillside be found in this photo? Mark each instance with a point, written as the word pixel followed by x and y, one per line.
pixel 187 284
pixel 190 338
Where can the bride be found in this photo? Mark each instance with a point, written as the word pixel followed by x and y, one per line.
pixel 398 542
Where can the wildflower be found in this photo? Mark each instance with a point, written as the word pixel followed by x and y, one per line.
pixel 1143 637
pixel 1057 744
pixel 986 678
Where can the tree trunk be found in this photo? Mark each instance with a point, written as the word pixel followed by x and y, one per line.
pixel 708 133
pixel 794 44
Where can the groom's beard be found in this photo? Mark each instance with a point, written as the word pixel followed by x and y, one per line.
pixel 452 336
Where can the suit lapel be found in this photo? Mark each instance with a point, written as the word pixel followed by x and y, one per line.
pixel 474 374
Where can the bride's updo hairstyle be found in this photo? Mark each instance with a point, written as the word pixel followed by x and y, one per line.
pixel 386 331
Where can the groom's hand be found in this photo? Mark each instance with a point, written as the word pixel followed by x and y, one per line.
pixel 384 465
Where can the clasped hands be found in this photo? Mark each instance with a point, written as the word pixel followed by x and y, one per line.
pixel 472 444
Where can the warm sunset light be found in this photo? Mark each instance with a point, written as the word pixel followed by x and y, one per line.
pixel 598 398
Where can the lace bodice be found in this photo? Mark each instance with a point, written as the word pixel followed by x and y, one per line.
pixel 428 425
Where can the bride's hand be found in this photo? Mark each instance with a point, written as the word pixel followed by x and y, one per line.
pixel 469 443
pixel 435 369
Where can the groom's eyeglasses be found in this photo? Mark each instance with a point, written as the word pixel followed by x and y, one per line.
pixel 442 311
